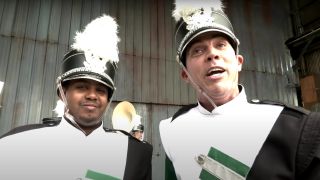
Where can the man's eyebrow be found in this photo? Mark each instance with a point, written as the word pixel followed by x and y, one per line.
pixel 80 81
pixel 196 41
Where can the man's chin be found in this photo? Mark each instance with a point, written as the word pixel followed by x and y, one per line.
pixel 215 90
pixel 89 122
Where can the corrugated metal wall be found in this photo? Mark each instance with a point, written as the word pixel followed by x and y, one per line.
pixel 263 27
pixel 35 34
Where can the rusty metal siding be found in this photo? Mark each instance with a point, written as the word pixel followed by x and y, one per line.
pixel 262 28
pixel 35 34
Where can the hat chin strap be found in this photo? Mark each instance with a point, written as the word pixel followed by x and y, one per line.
pixel 110 100
pixel 195 85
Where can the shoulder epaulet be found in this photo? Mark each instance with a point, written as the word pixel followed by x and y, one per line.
pixel 183 110
pixel 108 129
pixel 52 121
pixel 123 132
pixel 46 122
pixel 309 143
pixel 276 103
pixel 117 130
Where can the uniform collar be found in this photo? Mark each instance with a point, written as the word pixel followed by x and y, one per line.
pixel 70 127
pixel 234 104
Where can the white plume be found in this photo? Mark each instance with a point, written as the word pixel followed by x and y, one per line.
pixel 99 39
pixel 185 8
pixel 59 109
pixel 136 120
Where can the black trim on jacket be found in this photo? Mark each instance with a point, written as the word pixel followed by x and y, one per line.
pixel 46 122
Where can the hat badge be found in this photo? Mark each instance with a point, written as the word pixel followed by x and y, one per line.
pixel 95 63
pixel 198 19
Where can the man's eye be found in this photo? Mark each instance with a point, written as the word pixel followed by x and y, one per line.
pixel 102 90
pixel 222 45
pixel 197 51
pixel 81 86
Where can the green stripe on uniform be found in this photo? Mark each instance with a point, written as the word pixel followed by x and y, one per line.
pixel 99 176
pixel 227 161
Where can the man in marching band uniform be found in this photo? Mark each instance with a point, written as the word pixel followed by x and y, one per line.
pixel 138 131
pixel 78 146
pixel 223 136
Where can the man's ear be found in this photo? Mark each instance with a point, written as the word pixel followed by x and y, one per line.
pixel 184 76
pixel 240 62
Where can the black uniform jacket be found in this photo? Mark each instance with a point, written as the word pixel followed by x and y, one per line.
pixel 291 151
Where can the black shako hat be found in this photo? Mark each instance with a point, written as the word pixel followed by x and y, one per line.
pixel 139 127
pixel 94 55
pixel 195 18
pixel 74 67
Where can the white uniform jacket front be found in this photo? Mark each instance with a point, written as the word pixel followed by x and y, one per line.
pixel 64 152
pixel 236 129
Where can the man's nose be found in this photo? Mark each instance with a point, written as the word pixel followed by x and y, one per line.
pixel 213 54
pixel 91 93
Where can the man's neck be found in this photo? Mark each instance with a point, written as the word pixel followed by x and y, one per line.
pixel 204 102
pixel 87 130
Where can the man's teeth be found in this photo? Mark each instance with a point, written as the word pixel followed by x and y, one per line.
pixel 215 71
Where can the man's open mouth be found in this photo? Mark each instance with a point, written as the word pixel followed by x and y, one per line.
pixel 214 71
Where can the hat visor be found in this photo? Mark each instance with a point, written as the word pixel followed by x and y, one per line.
pixel 231 37
pixel 93 77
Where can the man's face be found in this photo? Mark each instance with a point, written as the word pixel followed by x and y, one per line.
pixel 213 65
pixel 138 135
pixel 87 101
